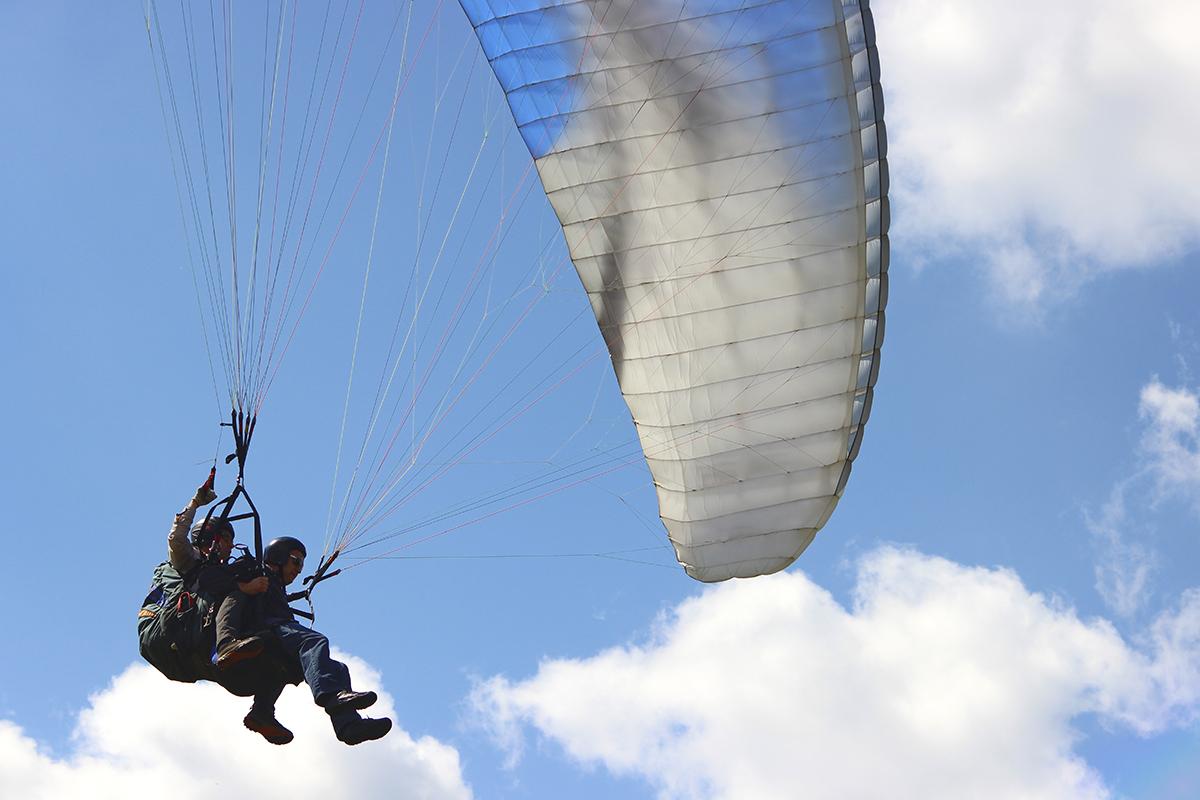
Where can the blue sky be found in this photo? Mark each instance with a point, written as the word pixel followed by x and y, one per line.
pixel 1004 604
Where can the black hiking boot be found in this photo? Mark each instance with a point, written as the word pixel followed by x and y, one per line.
pixel 363 730
pixel 268 727
pixel 239 650
pixel 347 700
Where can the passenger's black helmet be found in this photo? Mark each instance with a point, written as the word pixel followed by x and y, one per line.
pixel 279 549
pixel 203 532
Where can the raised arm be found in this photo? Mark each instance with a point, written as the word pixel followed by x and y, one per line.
pixel 180 550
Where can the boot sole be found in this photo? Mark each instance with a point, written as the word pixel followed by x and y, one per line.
pixel 270 733
pixel 237 656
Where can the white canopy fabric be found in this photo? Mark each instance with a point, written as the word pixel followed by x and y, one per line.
pixel 719 170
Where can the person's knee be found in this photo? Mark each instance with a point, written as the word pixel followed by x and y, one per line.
pixel 314 644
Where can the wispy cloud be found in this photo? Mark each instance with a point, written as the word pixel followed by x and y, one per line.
pixel 1171 441
pixel 941 681
pixel 1167 467
pixel 1124 564
pixel 143 736
pixel 1045 141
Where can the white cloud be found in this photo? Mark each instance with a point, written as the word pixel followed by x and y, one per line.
pixel 941 681
pixel 144 736
pixel 1049 141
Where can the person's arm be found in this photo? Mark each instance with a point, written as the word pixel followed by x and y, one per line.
pixel 180 550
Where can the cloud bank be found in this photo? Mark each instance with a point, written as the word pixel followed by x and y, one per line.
pixel 1048 142
pixel 941 681
pixel 144 736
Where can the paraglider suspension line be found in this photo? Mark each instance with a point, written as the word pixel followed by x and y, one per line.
pixel 243 431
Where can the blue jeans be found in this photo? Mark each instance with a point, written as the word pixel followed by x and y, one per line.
pixel 324 675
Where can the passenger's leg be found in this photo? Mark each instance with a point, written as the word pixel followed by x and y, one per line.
pixel 230 648
pixel 229 618
pixel 329 680
pixel 325 675
pixel 261 718
pixel 264 699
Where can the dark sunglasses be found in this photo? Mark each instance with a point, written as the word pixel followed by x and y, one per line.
pixel 297 560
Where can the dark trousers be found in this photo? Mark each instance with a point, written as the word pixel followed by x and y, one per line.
pixel 264 700
pixel 324 675
pixel 230 614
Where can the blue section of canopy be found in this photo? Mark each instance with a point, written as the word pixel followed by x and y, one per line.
pixel 528 47
pixel 536 48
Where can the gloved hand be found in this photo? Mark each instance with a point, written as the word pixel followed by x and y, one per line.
pixel 205 494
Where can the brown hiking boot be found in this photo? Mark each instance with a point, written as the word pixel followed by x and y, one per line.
pixel 268 727
pixel 239 650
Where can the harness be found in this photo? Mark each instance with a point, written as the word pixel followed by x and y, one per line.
pixel 242 427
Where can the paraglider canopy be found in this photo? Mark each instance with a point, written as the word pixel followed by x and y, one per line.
pixel 719 171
